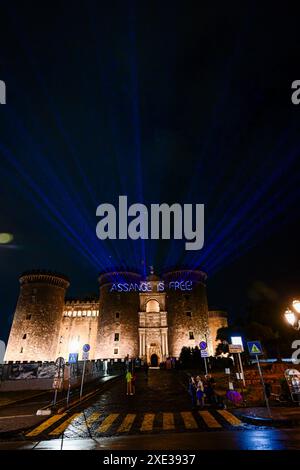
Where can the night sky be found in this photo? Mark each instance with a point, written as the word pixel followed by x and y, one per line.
pixel 162 102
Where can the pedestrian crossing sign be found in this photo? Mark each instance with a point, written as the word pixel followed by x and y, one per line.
pixel 254 347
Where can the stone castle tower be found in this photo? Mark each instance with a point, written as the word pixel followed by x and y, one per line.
pixel 150 318
pixel 118 317
pixel 37 320
pixel 187 310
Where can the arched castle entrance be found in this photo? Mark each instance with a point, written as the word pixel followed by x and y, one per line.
pixel 154 360
pixel 153 325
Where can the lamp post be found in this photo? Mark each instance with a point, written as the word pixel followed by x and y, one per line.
pixel 292 315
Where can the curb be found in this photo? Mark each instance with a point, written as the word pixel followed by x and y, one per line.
pixel 257 421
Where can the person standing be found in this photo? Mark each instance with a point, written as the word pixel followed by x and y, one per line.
pixel 128 378
pixel 192 391
pixel 200 392
pixel 133 382
pixel 146 369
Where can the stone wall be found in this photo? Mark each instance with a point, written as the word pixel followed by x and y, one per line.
pixel 40 376
pixel 216 319
pixel 79 326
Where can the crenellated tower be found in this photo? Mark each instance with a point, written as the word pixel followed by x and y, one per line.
pixel 118 315
pixel 35 329
pixel 187 309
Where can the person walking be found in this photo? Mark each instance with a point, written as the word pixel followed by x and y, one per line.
pixel 128 378
pixel 209 389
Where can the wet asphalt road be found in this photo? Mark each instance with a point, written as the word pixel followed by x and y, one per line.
pixel 158 416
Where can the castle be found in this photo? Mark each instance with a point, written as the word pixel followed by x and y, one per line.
pixel 150 318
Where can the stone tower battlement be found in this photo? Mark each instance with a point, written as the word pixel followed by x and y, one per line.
pixel 46 277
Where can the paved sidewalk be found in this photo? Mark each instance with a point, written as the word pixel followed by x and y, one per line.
pixel 280 416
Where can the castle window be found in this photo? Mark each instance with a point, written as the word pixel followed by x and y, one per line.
pixel 84 313
pixel 189 313
pixel 117 336
pixel 25 336
pixel 89 313
pixel 117 314
pixel 191 334
pixel 28 316
pixel 74 313
pixel 116 351
pixel 21 350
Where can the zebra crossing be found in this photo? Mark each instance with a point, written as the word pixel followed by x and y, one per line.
pixel 99 424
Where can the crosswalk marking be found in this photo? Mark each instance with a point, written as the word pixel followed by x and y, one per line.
pixel 189 420
pixel 209 420
pixel 168 421
pixel 89 421
pixel 127 423
pixel 60 429
pixel 233 420
pixel 46 424
pixel 147 424
pixel 108 422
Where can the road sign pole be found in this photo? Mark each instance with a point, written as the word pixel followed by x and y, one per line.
pixel 242 370
pixel 263 386
pixel 206 372
pixel 82 379
pixel 55 397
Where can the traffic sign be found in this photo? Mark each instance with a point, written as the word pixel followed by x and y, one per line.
pixel 73 358
pixel 85 356
pixel 204 353
pixel 235 348
pixel 86 348
pixel 254 347
pixel 203 345
pixel 57 383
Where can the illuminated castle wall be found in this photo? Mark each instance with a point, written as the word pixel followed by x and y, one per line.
pixel 151 319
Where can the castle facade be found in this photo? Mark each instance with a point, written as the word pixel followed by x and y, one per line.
pixel 150 318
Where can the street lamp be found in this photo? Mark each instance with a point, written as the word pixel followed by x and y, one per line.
pixel 292 316
pixel 296 305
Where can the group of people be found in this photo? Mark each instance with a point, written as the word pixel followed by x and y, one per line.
pixel 201 390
